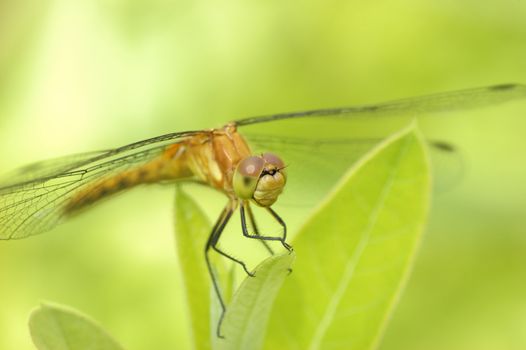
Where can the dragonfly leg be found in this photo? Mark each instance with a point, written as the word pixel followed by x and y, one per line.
pixel 214 237
pixel 265 238
pixel 228 256
pixel 255 228
pixel 282 223
pixel 212 242
pixel 216 234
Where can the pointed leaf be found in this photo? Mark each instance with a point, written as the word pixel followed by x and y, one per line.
pixel 248 313
pixel 191 233
pixel 355 252
pixel 56 327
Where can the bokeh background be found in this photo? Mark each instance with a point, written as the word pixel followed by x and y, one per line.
pixel 86 75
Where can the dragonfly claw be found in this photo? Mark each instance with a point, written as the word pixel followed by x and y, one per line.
pixel 287 246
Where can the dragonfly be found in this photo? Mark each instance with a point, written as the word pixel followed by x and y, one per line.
pixel 252 161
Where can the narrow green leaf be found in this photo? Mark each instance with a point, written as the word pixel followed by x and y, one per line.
pixel 355 252
pixel 248 313
pixel 55 327
pixel 191 233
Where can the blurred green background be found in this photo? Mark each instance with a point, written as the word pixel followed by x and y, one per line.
pixel 85 75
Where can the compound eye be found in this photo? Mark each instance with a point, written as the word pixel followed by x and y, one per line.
pixel 271 158
pixel 246 176
pixel 251 166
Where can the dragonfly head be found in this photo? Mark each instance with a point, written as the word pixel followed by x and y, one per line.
pixel 260 178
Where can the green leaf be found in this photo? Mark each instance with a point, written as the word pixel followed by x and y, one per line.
pixel 248 313
pixel 355 252
pixel 191 233
pixel 56 327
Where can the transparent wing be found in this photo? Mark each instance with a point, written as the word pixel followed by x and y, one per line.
pixel 318 146
pixel 414 106
pixel 32 198
pixel 46 168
